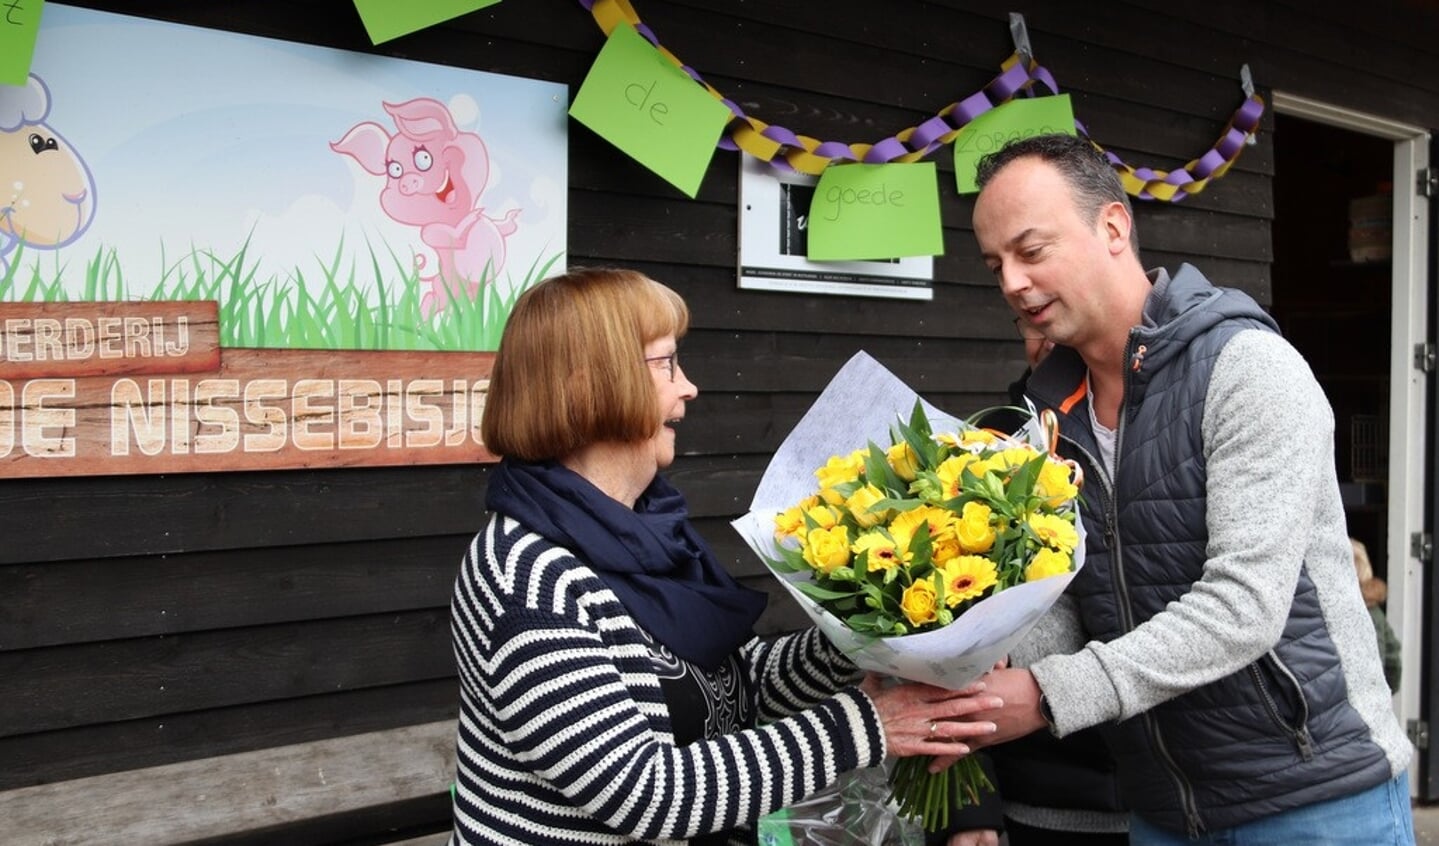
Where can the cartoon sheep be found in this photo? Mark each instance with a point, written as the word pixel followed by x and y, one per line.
pixel 434 175
pixel 47 195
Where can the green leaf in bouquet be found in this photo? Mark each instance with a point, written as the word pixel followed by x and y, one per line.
pixel 876 597
pixel 878 472
pixel 897 505
pixel 927 487
pixel 920 438
pixel 918 420
pixel 992 488
pixel 791 560
pixel 1021 484
pixel 870 622
pixel 823 594
pixel 921 551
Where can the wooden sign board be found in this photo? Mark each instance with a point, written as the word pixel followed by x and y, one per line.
pixel 259 409
pixel 97 338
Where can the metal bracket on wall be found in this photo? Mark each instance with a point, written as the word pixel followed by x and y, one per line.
pixel 1421 546
pixel 1418 731
pixel 1424 357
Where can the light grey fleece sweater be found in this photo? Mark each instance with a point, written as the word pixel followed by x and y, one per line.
pixel 1272 505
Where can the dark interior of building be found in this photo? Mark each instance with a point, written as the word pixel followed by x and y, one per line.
pixel 1332 296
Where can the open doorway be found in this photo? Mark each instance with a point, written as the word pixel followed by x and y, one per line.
pixel 1360 312
pixel 1333 195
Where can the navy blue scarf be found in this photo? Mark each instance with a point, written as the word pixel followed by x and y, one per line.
pixel 651 557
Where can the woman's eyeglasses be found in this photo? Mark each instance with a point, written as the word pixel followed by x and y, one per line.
pixel 671 361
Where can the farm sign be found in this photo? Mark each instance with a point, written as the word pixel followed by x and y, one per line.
pixel 227 252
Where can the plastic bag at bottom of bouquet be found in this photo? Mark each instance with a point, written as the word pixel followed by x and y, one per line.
pixel 854 811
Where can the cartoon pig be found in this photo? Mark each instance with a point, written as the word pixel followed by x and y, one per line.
pixel 434 175
pixel 47 195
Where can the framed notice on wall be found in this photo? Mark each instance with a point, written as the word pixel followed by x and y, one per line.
pixel 774 211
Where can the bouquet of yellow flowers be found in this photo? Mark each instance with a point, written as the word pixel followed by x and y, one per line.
pixel 927 557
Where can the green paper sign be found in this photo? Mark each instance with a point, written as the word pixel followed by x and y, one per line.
pixel 1019 118
pixel 875 211
pixel 639 101
pixel 387 19
pixel 19 24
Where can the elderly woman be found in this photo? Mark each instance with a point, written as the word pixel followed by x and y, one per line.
pixel 612 690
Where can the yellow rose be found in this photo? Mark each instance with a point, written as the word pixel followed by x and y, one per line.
pixel 859 504
pixel 788 523
pixel 1054 532
pixel 826 550
pixel 967 577
pixel 973 530
pixel 919 603
pixel 1055 485
pixel 1046 563
pixel 839 470
pixel 883 554
pixel 945 547
pixel 824 516
pixel 903 460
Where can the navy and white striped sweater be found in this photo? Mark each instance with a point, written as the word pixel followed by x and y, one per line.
pixel 564 736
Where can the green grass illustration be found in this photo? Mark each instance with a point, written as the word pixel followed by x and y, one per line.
pixel 370 303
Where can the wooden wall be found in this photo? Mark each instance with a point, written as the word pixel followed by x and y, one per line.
pixel 145 620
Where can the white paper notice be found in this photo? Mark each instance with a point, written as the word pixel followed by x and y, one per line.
pixel 860 405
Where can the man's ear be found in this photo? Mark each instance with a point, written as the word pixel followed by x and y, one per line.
pixel 1116 225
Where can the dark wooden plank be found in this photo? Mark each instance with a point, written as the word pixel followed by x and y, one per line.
pixel 629 229
pixel 1407 26
pixel 806 56
pixel 111 599
pixel 1295 52
pixel 62 687
pixel 107 515
pixel 47 756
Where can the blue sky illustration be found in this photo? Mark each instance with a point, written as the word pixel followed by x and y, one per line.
pixel 200 138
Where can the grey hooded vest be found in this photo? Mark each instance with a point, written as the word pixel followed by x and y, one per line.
pixel 1276 735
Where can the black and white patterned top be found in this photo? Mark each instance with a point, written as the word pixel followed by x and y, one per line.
pixel 566 735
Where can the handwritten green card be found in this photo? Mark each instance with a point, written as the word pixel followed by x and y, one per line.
pixel 639 101
pixel 387 19
pixel 1019 118
pixel 875 211
pixel 19 24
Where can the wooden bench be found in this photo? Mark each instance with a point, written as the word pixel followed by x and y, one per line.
pixel 381 787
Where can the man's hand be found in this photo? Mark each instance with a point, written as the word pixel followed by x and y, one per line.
pixel 1020 713
pixel 1018 716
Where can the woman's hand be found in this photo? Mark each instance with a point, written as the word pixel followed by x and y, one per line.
pixel 921 719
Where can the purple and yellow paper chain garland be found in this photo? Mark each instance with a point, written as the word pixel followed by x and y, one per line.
pixel 790 151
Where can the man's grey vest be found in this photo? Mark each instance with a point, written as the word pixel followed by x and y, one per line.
pixel 1277 734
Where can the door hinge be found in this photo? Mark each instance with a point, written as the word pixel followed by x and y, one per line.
pixel 1418 731
pixel 1421 546
pixel 1427 182
pixel 1424 357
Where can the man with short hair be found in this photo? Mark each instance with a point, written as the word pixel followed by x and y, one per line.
pixel 1215 631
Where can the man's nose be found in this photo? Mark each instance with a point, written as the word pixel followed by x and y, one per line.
pixel 1012 280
